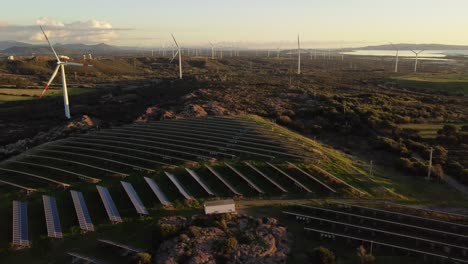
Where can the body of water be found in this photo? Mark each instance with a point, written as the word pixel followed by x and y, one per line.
pixel 408 53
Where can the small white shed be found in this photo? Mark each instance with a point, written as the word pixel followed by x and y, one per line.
pixel 11 58
pixel 220 206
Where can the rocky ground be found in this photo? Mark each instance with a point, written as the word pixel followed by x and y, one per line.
pixel 226 239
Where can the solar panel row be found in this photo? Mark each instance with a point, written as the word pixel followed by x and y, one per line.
pixel 20 224
pixel 82 211
pixel 179 186
pixel 109 204
pixel 157 191
pixel 54 228
pixel 134 198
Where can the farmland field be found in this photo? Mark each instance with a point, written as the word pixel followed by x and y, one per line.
pixel 449 83
pixel 429 130
pixel 20 94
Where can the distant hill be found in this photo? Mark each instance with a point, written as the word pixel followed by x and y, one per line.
pixel 9 44
pixel 19 48
pixel 405 46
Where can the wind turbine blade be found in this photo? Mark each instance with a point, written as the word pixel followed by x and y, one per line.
pixel 50 81
pixel 174 56
pixel 175 41
pixel 50 45
pixel 77 64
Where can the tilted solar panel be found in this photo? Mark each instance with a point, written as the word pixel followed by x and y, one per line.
pixel 197 178
pixel 54 228
pixel 109 204
pixel 157 191
pixel 179 186
pixel 20 224
pixel 82 211
pixel 136 201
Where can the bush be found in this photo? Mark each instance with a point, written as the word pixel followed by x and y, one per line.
pixel 143 258
pixel 167 230
pixel 284 120
pixel 322 255
pixel 229 245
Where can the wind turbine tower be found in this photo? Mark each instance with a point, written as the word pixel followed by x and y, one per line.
pixel 298 55
pixel 180 56
pixel 416 60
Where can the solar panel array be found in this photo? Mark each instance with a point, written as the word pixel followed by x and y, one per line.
pixel 82 213
pixel 179 186
pixel 20 224
pixel 54 228
pixel 397 230
pixel 134 198
pixel 157 191
pixel 109 204
pixel 240 174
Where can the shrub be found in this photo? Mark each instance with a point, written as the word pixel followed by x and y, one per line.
pixel 284 120
pixel 322 255
pixel 143 258
pixel 229 245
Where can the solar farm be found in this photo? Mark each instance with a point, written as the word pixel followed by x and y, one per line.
pixel 133 171
pixel 137 169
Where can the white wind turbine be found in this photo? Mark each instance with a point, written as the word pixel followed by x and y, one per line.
pixel 180 57
pixel 298 55
pixel 416 60
pixel 212 51
pixel 396 57
pixel 60 66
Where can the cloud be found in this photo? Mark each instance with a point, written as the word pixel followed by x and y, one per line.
pixel 89 31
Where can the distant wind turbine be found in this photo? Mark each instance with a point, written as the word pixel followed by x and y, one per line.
pixel 396 57
pixel 180 57
pixel 416 60
pixel 212 51
pixel 61 66
pixel 298 55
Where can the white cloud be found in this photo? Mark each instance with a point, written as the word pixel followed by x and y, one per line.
pixel 89 31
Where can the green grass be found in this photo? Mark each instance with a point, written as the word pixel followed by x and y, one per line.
pixel 450 83
pixel 429 131
pixel 10 95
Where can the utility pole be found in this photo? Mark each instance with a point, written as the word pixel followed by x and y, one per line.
pixel 430 165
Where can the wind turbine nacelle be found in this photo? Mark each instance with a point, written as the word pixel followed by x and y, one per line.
pixel 63 57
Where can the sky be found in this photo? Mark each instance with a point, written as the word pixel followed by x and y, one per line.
pixel 253 23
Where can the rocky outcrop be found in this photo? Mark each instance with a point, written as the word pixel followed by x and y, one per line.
pixel 232 239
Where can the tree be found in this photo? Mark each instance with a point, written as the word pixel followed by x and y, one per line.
pixel 364 257
pixel 322 255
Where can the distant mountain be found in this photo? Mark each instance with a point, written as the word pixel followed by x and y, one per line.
pixel 403 46
pixel 66 49
pixel 9 44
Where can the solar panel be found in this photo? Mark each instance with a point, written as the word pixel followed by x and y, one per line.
pixel 179 186
pixel 215 173
pixel 266 177
pixel 157 191
pixel 240 174
pixel 82 211
pixel 289 177
pixel 78 258
pixel 197 178
pixel 109 204
pixel 141 209
pixel 312 177
pixel 28 190
pixel 54 228
pixel 20 224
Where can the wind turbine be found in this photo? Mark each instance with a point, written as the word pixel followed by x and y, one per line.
pixel 60 66
pixel 298 55
pixel 180 57
pixel 416 61
pixel 212 51
pixel 396 57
